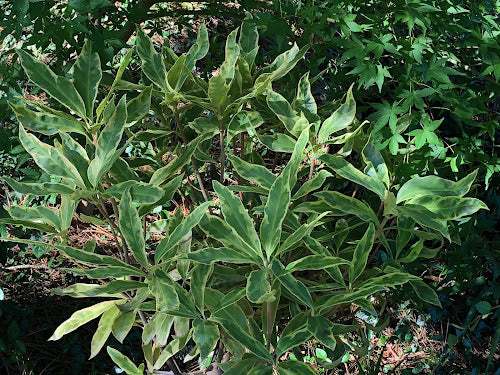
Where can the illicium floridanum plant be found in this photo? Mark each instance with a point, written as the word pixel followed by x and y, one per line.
pixel 260 272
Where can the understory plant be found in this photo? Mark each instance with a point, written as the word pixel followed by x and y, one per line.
pixel 295 220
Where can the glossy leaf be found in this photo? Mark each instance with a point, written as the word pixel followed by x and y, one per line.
pixel 138 107
pixel 449 208
pixel 172 348
pixel 123 324
pixel 315 262
pixel 244 121
pixel 253 172
pixel 164 292
pixel 279 142
pixel 313 184
pixel 258 288
pixel 140 192
pixel 375 164
pixel 347 205
pixel 433 185
pixel 294 286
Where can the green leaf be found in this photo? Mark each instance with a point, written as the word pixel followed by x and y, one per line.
pixel 348 171
pixel 305 100
pixel 425 292
pixel 163 289
pixel 313 184
pixel 79 290
pixel 205 335
pixel 115 286
pixel 162 174
pixel 449 208
pixel 123 324
pixel 326 303
pixel 237 217
pixel 361 253
pixel 81 317
pixel 294 334
pixel 232 51
pixel 425 218
pixel 46 123
pixel 107 143
pixel 87 76
pixel 279 142
pixel 258 288
pixel 248 41
pixel 244 121
pixel 37 188
pixel 103 330
pixel 340 119
pixel 291 367
pixel 315 262
pixel 375 164
pixel 35 214
pixel 60 88
pixel 124 362
pixel 294 286
pixel 199 278
pixel 294 123
pixel 241 336
pixel 218 229
pixel 131 228
pixel 168 243
pixel 253 172
pixel 199 49
pixel 285 62
pixel 138 107
pixel 347 205
pixel 49 159
pixel 211 255
pixel 325 331
pixel 217 91
pixel 388 280
pixel 433 185
pixel 152 62
pixel 140 192
pixel 172 348
pixel 294 239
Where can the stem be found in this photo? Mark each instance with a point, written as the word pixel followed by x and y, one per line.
pixel 270 322
pixel 222 151
pixel 102 210
pixel 193 160
pixel 309 177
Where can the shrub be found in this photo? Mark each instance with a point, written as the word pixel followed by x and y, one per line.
pixel 288 259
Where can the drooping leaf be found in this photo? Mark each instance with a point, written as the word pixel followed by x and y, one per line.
pixel 244 121
pixel 172 348
pixel 163 289
pixel 375 164
pixel 38 188
pixel 425 292
pixel 449 208
pixel 294 286
pixel 313 184
pixel 138 107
